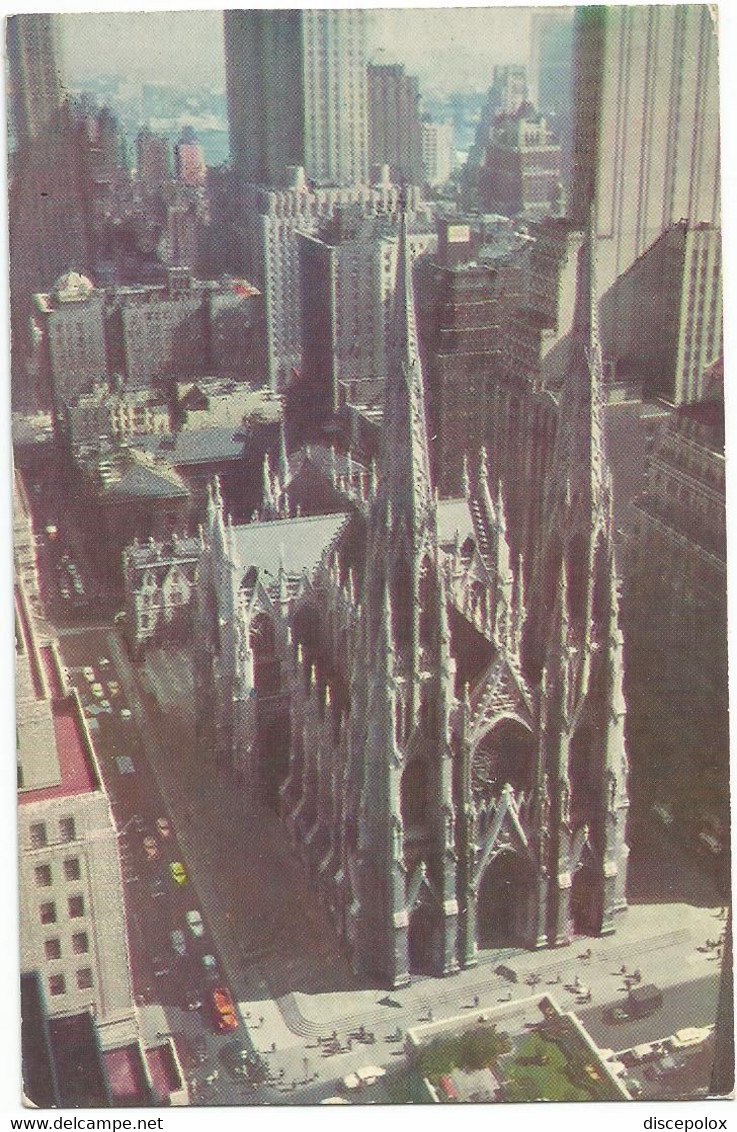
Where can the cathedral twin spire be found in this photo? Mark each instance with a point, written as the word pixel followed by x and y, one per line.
pixel 578 491
pixel 405 480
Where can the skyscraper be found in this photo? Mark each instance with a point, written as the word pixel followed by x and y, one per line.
pixel 646 125
pixel 394 127
pixel 33 71
pixel 296 90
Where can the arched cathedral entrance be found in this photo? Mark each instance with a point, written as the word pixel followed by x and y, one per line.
pixel 587 907
pixel 505 902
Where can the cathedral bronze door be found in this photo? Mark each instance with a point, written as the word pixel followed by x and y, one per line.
pixel 421 940
pixel 504 902
pixel 587 901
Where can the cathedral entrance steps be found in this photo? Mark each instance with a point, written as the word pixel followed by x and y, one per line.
pixel 546 966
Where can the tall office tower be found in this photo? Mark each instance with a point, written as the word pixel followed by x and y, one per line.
pixel 296 91
pixel 667 310
pixel 272 219
pixel 394 127
pixel 462 296
pixel 72 925
pixel 549 76
pixel 646 126
pixel 152 160
pixel 549 64
pixel 33 71
pixel 347 271
pixel 437 152
pixel 509 88
pixel 522 170
pixel 189 160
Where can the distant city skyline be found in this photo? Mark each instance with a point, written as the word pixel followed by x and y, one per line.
pixel 448 48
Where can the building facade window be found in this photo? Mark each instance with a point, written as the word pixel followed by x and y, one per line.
pixel 80 943
pixel 71 868
pixel 84 978
pixel 52 948
pixel 67 829
pixel 57 985
pixel 39 839
pixel 76 907
pixel 43 875
pixel 48 913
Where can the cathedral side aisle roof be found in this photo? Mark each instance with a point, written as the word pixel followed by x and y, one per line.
pixel 302 542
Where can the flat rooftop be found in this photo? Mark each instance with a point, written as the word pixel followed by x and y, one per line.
pixel 76 763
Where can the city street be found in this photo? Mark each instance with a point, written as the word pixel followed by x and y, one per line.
pixel 272 943
pixel 275 945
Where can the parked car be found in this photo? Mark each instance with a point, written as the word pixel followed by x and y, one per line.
pixel 663 813
pixel 151 847
pixel 710 843
pixel 89 674
pixel 195 924
pixel 103 662
pixel 223 1010
pixel 192 999
pixel 178 872
pixel 211 968
pixel 163 826
pixel 97 691
pixel 178 942
pixel 113 688
pixel 641 1003
pixel 125 713
pixel 157 888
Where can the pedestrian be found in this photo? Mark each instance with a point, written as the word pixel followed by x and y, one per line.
pixel 282 1073
pixel 475 1000
pixel 637 976
pixel 623 969
pixel 261 1020
pixel 349 1044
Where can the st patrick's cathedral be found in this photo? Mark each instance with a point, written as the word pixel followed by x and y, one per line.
pixel 441 727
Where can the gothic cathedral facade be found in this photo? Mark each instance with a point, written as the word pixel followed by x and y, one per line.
pixel 441 728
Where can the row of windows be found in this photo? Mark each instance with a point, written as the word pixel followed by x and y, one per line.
pixel 58 983
pixel 75 908
pixel 71 872
pixel 80 945
pixel 39 833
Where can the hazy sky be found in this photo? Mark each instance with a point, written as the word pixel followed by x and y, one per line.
pixel 449 47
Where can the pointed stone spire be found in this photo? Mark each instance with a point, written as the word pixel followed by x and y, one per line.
pixel 579 461
pixel 373 484
pixel 520 602
pixel 385 642
pixel 267 495
pixel 503 566
pixel 283 587
pixel 283 459
pixel 405 471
